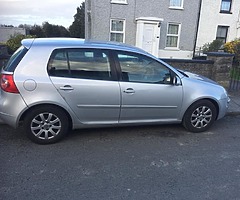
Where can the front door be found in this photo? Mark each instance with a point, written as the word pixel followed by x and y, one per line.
pixel 147 92
pixel 149 40
pixel 148 34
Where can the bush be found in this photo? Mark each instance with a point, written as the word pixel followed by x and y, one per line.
pixel 15 42
pixel 234 48
pixel 214 46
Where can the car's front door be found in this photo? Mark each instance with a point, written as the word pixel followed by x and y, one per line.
pixel 85 79
pixel 147 92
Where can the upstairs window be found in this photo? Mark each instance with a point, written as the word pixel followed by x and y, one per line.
pixel 117 30
pixel 226 6
pixel 222 33
pixel 177 4
pixel 119 1
pixel 173 34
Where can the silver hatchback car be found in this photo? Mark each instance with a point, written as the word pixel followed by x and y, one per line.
pixel 53 85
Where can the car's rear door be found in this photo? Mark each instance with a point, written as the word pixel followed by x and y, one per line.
pixel 85 79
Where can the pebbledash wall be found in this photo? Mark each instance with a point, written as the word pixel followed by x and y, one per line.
pixel 217 66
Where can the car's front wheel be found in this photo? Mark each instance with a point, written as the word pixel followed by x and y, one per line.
pixel 200 116
pixel 46 124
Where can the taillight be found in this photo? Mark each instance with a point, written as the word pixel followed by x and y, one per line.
pixel 7 83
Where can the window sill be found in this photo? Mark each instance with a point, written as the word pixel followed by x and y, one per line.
pixel 121 3
pixel 176 8
pixel 172 48
pixel 225 12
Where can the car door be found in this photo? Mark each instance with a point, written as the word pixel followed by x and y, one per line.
pixel 85 79
pixel 147 92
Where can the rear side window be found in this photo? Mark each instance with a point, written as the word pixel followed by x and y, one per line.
pixel 15 59
pixel 80 63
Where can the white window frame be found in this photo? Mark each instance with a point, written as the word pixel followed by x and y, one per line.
pixel 176 7
pixel 119 1
pixel 175 35
pixel 121 32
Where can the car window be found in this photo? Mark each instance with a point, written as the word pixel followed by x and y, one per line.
pixel 140 68
pixel 15 59
pixel 80 63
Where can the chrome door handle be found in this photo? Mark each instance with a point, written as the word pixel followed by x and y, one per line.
pixel 66 88
pixel 129 91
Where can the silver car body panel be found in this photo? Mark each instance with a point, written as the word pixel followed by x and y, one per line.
pixel 98 103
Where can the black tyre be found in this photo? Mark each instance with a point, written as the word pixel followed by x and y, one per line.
pixel 200 116
pixel 46 124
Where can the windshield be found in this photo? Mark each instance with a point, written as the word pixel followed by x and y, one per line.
pixel 15 59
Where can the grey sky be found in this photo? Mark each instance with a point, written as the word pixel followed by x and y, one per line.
pixel 58 12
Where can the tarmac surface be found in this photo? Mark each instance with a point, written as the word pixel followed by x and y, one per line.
pixel 234 104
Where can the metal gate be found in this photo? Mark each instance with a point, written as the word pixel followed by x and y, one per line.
pixel 234 83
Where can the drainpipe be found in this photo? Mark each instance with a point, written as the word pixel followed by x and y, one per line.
pixel 88 19
pixel 198 20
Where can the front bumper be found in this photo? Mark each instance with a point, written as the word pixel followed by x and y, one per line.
pixel 223 107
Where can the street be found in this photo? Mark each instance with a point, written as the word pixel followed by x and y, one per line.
pixel 144 162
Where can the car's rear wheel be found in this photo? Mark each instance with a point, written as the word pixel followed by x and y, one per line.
pixel 200 116
pixel 46 124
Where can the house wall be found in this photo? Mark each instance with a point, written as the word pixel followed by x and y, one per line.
pixel 7 32
pixel 211 17
pixel 101 11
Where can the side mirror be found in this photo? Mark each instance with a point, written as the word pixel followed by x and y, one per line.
pixel 177 81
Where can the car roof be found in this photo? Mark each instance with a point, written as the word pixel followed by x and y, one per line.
pixel 77 42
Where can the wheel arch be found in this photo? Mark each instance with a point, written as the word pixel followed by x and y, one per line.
pixel 47 104
pixel 214 102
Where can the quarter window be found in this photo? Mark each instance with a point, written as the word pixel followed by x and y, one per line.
pixel 173 33
pixel 139 68
pixel 117 30
pixel 176 3
pixel 222 33
pixel 226 6
pixel 80 63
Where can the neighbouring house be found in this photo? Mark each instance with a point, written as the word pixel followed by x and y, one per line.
pixel 7 32
pixel 165 28
pixel 219 19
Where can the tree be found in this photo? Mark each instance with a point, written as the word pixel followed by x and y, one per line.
pixel 36 30
pixel 15 42
pixel 214 46
pixel 77 29
pixel 50 30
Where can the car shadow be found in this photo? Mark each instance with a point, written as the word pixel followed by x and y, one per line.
pixel 164 131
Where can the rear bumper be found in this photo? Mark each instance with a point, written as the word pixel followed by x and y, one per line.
pixel 11 108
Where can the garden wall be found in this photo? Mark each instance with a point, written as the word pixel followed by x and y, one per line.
pixel 217 66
